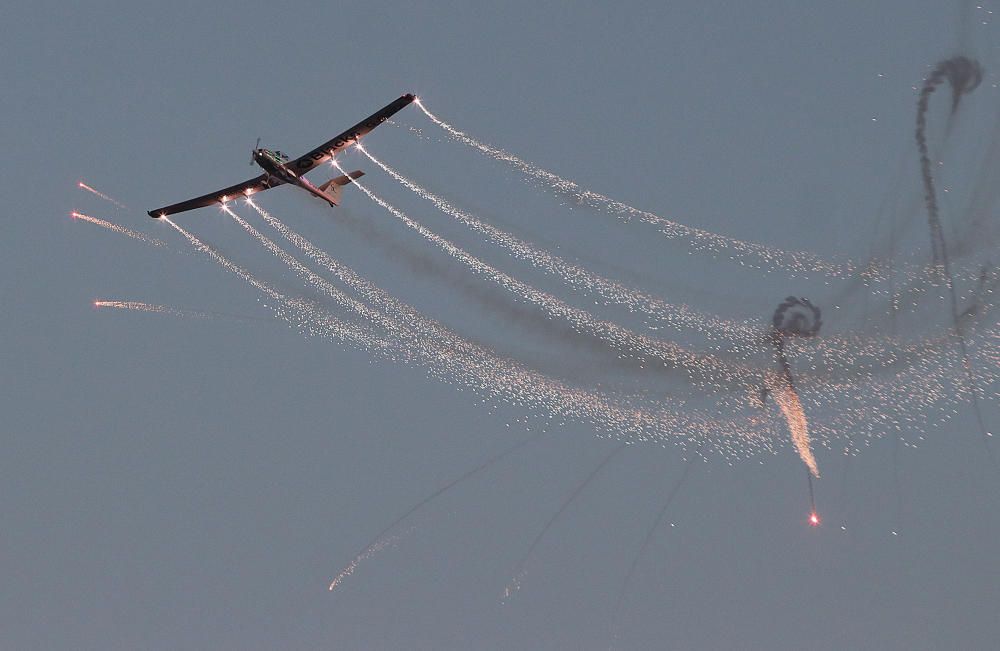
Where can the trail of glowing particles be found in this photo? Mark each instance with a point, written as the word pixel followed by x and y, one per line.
pixel 375 548
pixel 791 407
pixel 121 230
pixel 406 315
pixel 172 311
pixel 678 316
pixel 518 576
pixel 706 368
pixel 313 279
pixel 301 314
pixel 228 265
pixel 379 541
pixel 749 254
pixel 153 308
pixel 502 379
pixel 480 367
pixel 450 357
pixel 84 186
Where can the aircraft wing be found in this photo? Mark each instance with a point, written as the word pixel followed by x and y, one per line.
pixel 219 196
pixel 309 160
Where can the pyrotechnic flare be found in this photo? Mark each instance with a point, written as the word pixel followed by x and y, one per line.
pixel 86 187
pixel 813 514
pixel 796 317
pixel 121 230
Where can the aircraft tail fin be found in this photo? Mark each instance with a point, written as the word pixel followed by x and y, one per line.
pixel 334 187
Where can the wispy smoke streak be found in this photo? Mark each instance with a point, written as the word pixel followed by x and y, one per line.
pixel 964 76
pixel 379 540
pixel 518 575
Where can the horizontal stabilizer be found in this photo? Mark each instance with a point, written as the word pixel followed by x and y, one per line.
pixel 332 188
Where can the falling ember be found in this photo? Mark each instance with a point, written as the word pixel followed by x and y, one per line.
pixel 814 519
pixel 121 230
pixel 84 186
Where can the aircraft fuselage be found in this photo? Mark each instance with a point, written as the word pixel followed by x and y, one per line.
pixel 275 167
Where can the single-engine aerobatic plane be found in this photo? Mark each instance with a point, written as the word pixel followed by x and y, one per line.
pixel 278 170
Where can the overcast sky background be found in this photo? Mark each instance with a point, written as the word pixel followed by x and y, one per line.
pixel 173 483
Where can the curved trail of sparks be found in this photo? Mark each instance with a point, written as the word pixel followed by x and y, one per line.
pixel 677 316
pixel 750 254
pixel 702 369
pixel 404 314
pixel 121 230
pixel 503 379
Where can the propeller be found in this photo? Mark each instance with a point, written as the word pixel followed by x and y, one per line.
pixel 255 148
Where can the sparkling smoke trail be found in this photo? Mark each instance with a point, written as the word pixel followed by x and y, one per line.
pixel 121 230
pixel 678 316
pixel 84 186
pixel 502 379
pixel 703 370
pixel 750 254
pixel 153 308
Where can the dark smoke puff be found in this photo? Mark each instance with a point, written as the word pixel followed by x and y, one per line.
pixel 964 76
pixel 798 317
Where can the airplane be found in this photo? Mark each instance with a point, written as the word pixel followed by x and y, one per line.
pixel 279 170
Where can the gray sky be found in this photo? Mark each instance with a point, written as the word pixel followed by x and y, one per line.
pixel 177 483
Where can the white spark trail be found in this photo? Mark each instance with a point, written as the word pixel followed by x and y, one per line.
pixel 709 368
pixel 677 316
pixel 750 254
pixel 500 378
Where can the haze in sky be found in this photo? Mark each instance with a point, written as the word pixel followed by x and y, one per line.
pixel 631 294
